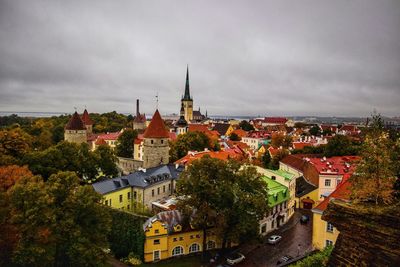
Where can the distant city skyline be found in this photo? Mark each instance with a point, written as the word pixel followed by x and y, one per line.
pixel 287 58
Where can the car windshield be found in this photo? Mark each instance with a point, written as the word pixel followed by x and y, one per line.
pixel 234 256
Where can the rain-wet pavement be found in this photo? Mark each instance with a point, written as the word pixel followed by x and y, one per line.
pixel 296 241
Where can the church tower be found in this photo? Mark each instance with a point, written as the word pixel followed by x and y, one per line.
pixel 155 143
pixel 88 122
pixel 187 101
pixel 181 126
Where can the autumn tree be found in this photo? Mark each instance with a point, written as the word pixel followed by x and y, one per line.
pixel 375 176
pixel 221 194
pixel 124 147
pixel 196 141
pixel 281 140
pixel 315 130
pixel 14 143
pixel 246 126
pixel 234 137
pixel 60 223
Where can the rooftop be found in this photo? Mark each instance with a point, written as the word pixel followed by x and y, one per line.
pixel 284 174
pixel 156 128
pixel 277 193
pixel 75 123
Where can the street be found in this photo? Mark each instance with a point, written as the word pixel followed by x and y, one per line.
pixel 296 241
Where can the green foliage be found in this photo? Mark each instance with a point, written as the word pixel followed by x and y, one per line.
pixel 310 150
pixel 266 159
pixel 231 198
pixel 125 143
pixel 60 223
pixel 107 160
pixel 109 122
pixel 315 130
pixel 197 141
pixel 126 235
pixel 67 156
pixel 281 140
pixel 234 137
pixel 341 145
pixel 274 164
pixel 246 126
pixel 319 259
pixel 13 119
pixel 15 142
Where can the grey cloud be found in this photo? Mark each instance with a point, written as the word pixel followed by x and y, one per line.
pixel 261 58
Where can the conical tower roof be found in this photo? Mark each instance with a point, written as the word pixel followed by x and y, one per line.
pixel 75 123
pixel 187 87
pixel 86 118
pixel 156 128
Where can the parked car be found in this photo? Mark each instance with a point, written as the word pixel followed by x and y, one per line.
pixel 284 259
pixel 304 219
pixel 235 258
pixel 273 239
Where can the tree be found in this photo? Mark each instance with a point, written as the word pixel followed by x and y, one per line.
pixel 15 142
pixel 281 140
pixel 375 176
pixel 340 145
pixel 266 159
pixel 277 158
pixel 60 223
pixel 222 195
pixel 246 126
pixel 196 141
pixel 125 143
pixel 315 130
pixel 107 160
pixel 234 137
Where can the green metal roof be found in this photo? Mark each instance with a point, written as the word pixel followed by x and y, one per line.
pixel 277 193
pixel 284 174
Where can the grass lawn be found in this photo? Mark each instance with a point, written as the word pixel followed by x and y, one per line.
pixel 192 261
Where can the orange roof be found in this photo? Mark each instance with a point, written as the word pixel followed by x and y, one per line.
pixel 222 155
pixel 273 151
pixel 75 123
pixel 300 145
pixel 342 192
pixel 198 128
pixel 109 136
pixel 240 132
pixel 138 141
pixel 86 118
pixel 335 165
pixel 156 128
pixel 100 141
pixel 239 144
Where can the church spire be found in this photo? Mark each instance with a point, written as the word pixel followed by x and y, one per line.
pixel 187 89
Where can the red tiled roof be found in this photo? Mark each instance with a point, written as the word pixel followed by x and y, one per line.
pixel 294 161
pixel 222 155
pixel 335 165
pixel 278 120
pixel 240 132
pixel 348 128
pixel 198 128
pixel 140 119
pixel 172 136
pixel 239 144
pixel 326 127
pixel 75 123
pixel 273 151
pixel 86 118
pixel 109 136
pixel 138 141
pixel 342 192
pixel 156 128
pixel 100 141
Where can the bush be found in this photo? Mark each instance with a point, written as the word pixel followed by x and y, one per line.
pixel 318 259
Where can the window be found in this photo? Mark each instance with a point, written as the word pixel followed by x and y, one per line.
pixel 180 238
pixel 156 255
pixel 327 182
pixel 106 202
pixel 169 187
pixel 264 228
pixel 129 195
pixel 156 242
pixel 328 243
pixel 120 198
pixel 162 141
pixel 134 195
pixel 329 227
pixel 128 207
pixel 210 244
pixel 156 231
pixel 163 189
pixel 177 251
pixel 158 191
pixel 197 236
pixel 175 239
pixel 152 192
pixel 152 141
pixel 192 236
pixel 194 248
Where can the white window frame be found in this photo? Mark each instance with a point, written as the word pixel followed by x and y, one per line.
pixel 194 245
pixel 213 246
pixel 329 227
pixel 328 181
pixel 181 251
pixel 154 255
pixel 328 243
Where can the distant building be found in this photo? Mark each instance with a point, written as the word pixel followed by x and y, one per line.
pixel 181 126
pixel 88 122
pixel 75 131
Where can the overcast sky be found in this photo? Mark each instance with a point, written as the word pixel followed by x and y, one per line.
pixel 270 58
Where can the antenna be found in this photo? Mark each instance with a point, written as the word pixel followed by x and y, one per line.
pixel 157 101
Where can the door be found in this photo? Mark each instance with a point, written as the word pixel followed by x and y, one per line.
pixel 307 205
pixel 156 255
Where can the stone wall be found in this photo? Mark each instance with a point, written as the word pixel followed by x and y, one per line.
pixel 369 235
pixel 155 152
pixel 75 136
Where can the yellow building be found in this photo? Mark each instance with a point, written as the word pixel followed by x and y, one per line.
pixel 307 196
pixel 324 234
pixel 167 235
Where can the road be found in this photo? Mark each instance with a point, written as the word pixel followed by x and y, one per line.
pixel 293 234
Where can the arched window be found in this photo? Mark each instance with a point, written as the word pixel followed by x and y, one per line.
pixel 211 244
pixel 194 248
pixel 177 251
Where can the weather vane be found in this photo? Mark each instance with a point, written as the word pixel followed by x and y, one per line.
pixel 157 100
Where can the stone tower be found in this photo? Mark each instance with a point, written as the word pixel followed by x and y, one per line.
pixel 181 126
pixel 155 143
pixel 139 121
pixel 187 101
pixel 75 130
pixel 88 122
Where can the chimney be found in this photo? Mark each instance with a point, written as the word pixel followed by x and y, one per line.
pixel 137 107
